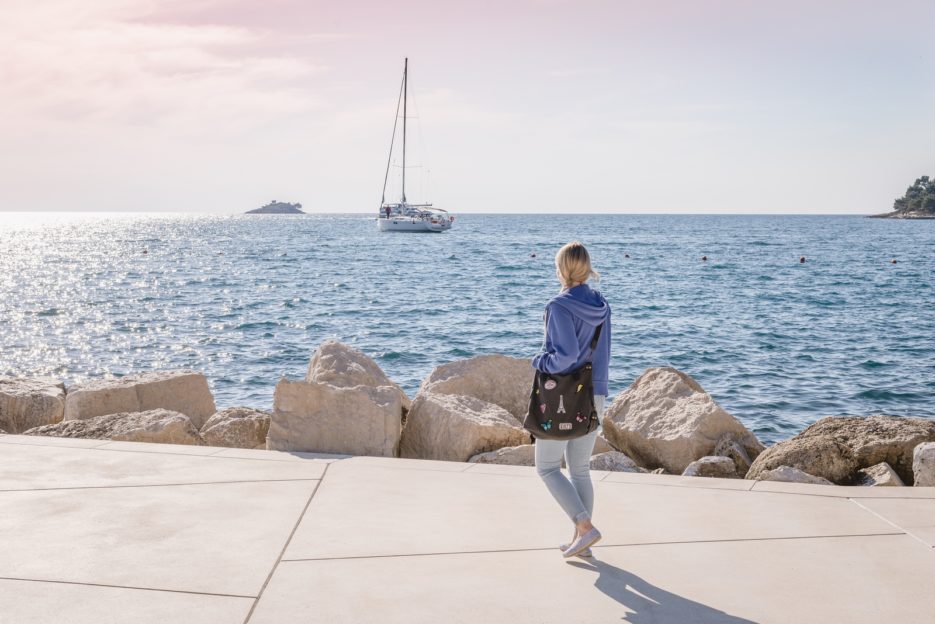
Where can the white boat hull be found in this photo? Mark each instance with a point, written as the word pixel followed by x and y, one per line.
pixel 410 224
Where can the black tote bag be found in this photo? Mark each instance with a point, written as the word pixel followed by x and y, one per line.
pixel 561 407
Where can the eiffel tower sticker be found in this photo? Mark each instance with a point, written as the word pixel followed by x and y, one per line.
pixel 561 404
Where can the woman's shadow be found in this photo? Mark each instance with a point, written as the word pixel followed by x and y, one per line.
pixel 650 604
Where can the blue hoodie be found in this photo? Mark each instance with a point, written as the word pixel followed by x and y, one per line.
pixel 571 319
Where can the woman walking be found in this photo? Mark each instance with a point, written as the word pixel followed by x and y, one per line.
pixel 577 332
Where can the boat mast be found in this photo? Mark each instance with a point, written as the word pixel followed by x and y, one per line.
pixel 389 158
pixel 405 97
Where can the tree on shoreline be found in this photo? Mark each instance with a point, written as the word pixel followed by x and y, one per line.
pixel 920 197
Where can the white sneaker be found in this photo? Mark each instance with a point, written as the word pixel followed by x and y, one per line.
pixel 582 543
pixel 584 553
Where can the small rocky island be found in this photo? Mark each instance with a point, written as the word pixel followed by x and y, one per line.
pixel 917 203
pixel 278 207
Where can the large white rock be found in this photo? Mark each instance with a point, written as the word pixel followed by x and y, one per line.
pixel 665 419
pixel 30 402
pixel 237 427
pixel 322 418
pixel 878 475
pixel 343 366
pixel 712 466
pixel 159 425
pixel 923 464
pixel 497 379
pixel 614 461
pixel 183 391
pixel 836 447
pixel 455 428
pixel 522 455
pixel 789 474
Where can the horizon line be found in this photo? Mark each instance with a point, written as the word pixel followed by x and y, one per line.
pixel 456 213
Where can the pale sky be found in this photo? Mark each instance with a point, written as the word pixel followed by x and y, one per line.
pixel 524 105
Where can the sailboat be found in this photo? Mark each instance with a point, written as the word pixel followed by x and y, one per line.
pixel 403 216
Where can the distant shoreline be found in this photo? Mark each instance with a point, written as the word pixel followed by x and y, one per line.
pixel 372 214
pixel 896 214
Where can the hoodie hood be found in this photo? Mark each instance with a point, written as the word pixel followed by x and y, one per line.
pixel 585 303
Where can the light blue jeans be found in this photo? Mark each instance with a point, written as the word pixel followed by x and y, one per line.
pixel 577 495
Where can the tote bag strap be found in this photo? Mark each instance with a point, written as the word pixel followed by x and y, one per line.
pixel 597 334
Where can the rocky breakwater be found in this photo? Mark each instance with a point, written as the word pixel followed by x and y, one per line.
pixel 170 407
pixel 234 427
pixel 346 405
pixel 471 407
pixel 855 450
pixel 30 402
pixel 470 410
pixel 665 420
pixel 237 427
pixel 157 425
pixel 183 391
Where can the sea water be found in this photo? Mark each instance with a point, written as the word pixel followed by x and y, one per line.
pixel 779 343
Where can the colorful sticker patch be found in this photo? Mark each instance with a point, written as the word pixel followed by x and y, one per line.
pixel 550 384
pixel 580 386
pixel 547 425
pixel 542 407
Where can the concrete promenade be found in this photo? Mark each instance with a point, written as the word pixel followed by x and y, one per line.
pixel 96 532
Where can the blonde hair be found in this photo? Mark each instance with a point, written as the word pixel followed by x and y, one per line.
pixel 573 265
